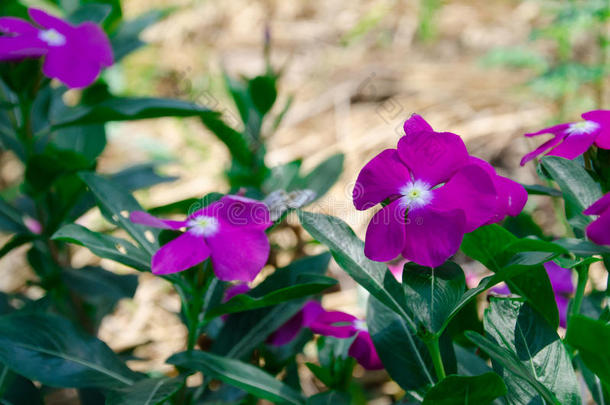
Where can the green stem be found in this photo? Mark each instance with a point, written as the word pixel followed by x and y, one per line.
pixel 583 277
pixel 195 313
pixel 435 352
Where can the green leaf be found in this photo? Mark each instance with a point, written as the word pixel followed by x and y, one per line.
pixel 86 140
pixel 105 246
pixel 96 13
pixel 330 398
pixel 536 189
pixel 126 38
pixel 127 109
pixel 263 92
pixel 579 190
pixel 44 169
pixel 582 248
pixel 116 204
pixel 49 349
pixel 239 374
pixel 151 391
pixel 10 218
pixel 300 279
pixel 322 177
pixel 461 390
pixel 591 338
pixel 234 141
pixel 432 294
pixel 15 242
pixel 409 364
pixel 528 354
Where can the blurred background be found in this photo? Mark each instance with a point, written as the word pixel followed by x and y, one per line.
pixel 352 71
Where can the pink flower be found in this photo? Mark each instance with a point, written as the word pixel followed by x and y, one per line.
pixel 33 225
pixel 433 193
pixel 572 139
pixel 230 231
pixel 74 55
pixel 599 230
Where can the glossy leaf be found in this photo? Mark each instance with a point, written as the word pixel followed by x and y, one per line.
pixel 105 246
pixel 591 338
pixel 463 390
pixel 49 349
pixel 151 391
pixel 239 374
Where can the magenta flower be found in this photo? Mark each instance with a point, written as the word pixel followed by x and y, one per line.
pixel 563 288
pixel 74 55
pixel 572 139
pixel 331 323
pixel 433 193
pixel 599 230
pixel 230 231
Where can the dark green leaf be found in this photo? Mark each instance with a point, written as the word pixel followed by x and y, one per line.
pixel 51 350
pixel 322 177
pixel 590 337
pixel 330 398
pixel 263 93
pixel 528 354
pixel 86 140
pixel 537 189
pixel 145 392
pixel 105 246
pixel 126 39
pixel 234 141
pixel 239 374
pixel 96 13
pixel 128 109
pixel 44 169
pixel 409 365
pixel 140 176
pixel 10 218
pixel 461 390
pixel 431 294
pixel 15 242
pixel 582 248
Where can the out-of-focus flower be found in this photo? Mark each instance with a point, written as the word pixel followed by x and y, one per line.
pixel 599 230
pixel 230 231
pixel 563 288
pixel 33 225
pixel 331 323
pixel 572 139
pixel 433 194
pixel 72 54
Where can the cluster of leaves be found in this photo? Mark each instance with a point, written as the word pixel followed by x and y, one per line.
pixel 570 71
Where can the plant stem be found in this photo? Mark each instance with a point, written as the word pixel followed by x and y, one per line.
pixel 435 352
pixel 583 277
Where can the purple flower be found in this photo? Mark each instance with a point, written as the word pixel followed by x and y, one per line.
pixel 433 192
pixel 572 139
pixel 599 230
pixel 563 288
pixel 331 323
pixel 230 231
pixel 74 55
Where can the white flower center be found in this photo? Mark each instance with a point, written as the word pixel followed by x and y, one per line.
pixel 416 194
pixel 585 127
pixel 360 325
pixel 52 37
pixel 203 225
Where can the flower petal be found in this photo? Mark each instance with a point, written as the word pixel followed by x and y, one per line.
pixel 13 25
pixel 542 148
pixel 238 253
pixel 557 130
pixel 599 206
pixel 47 20
pixel 385 235
pixel 416 124
pixel 562 307
pixel 20 47
pixel 93 39
pixel 238 211
pixel 382 177
pixel 561 278
pixel 471 190
pixel 602 117
pixel 433 236
pixel 599 230
pixel 334 323
pixel 574 145
pixel 65 64
pixel 433 157
pixel 513 195
pixel 287 332
pixel 144 218
pixel 363 350
pixel 182 253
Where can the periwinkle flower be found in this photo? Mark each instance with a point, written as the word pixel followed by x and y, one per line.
pixel 230 231
pixel 572 139
pixel 433 193
pixel 599 230
pixel 75 55
pixel 563 289
pixel 331 323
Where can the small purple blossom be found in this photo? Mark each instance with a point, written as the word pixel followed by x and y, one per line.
pixel 331 323
pixel 434 192
pixel 75 55
pixel 599 230
pixel 563 288
pixel 33 225
pixel 572 139
pixel 230 231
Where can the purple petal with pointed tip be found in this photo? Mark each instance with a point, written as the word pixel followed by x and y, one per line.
pixel 241 212
pixel 599 206
pixel 363 350
pixel 433 157
pixel 144 218
pixel 47 20
pixel 416 124
pixel 599 230
pixel 382 177
pixel 602 117
pixel 334 323
pixel 385 235
pixel 542 149
pixel 304 318
pixel 13 25
pixel 182 253
pixel 574 145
